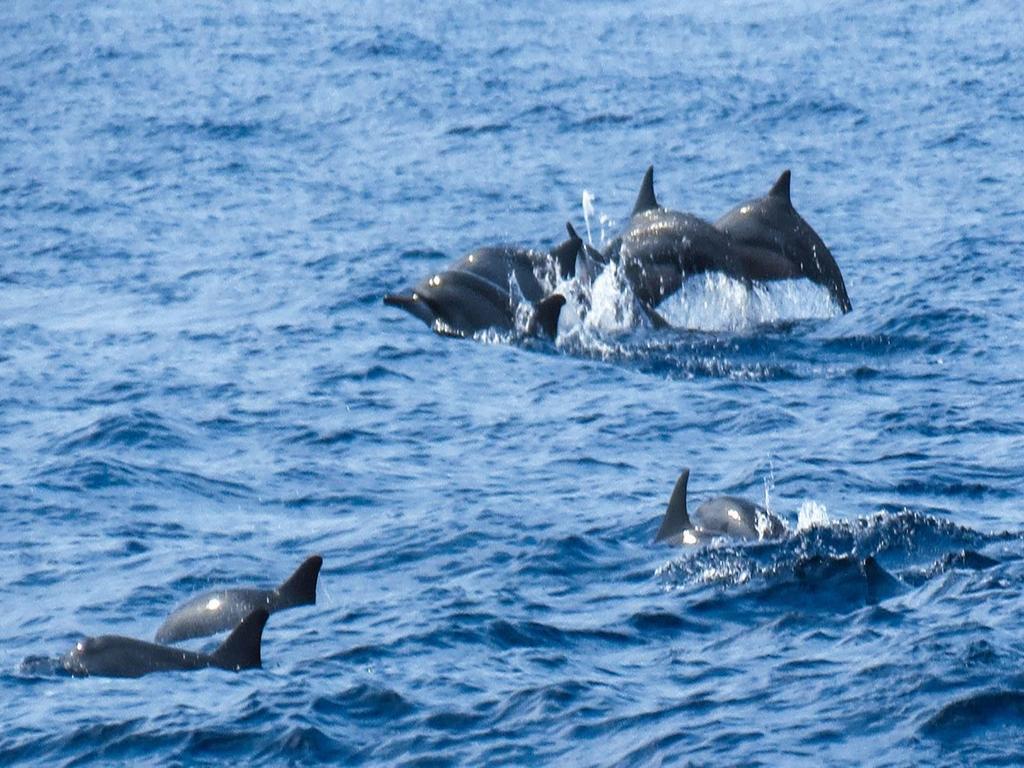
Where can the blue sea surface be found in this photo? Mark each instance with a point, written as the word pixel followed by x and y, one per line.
pixel 201 207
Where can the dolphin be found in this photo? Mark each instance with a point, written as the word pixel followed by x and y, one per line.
pixel 660 248
pixel 476 292
pixel 116 656
pixel 772 223
pixel 721 516
pixel 863 579
pixel 215 611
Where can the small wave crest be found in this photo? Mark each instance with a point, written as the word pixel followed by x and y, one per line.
pixel 829 561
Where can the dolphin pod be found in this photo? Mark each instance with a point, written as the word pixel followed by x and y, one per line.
pixel 215 611
pixel 760 240
pixel 243 610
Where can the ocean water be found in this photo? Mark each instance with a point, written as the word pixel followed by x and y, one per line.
pixel 201 207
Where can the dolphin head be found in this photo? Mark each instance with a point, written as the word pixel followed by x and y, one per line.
pixel 412 303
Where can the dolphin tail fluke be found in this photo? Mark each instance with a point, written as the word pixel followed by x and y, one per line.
pixel 545 315
pixel 646 201
pixel 300 587
pixel 780 188
pixel 676 519
pixel 564 255
pixel 242 648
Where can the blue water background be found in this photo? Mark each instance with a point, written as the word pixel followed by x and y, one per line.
pixel 201 206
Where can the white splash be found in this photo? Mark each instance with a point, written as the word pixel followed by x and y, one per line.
pixel 716 302
pixel 588 211
pixel 769 484
pixel 811 514
pixel 607 223
pixel 612 305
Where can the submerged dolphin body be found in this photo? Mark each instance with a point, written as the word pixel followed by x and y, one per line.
pixel 660 248
pixel 721 516
pixel 477 293
pixel 218 610
pixel 117 656
pixel 772 223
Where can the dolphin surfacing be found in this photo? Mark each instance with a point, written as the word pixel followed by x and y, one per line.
pixel 117 656
pixel 212 612
pixel 720 516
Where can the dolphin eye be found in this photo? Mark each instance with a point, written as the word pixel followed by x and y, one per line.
pixel 213 604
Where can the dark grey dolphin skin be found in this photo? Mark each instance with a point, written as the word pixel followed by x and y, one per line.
pixel 660 248
pixel 475 293
pixel 116 656
pixel 772 223
pixel 847 574
pixel 221 609
pixel 720 516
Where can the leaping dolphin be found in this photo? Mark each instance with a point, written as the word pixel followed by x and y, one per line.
pixel 771 222
pixel 721 516
pixel 476 293
pixel 221 609
pixel 117 656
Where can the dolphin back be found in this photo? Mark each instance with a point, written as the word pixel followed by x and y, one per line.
pixel 117 656
pixel 213 612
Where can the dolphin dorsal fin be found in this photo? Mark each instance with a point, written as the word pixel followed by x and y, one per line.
pixel 300 587
pixel 564 255
pixel 545 315
pixel 242 648
pixel 781 187
pixel 676 519
pixel 646 200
